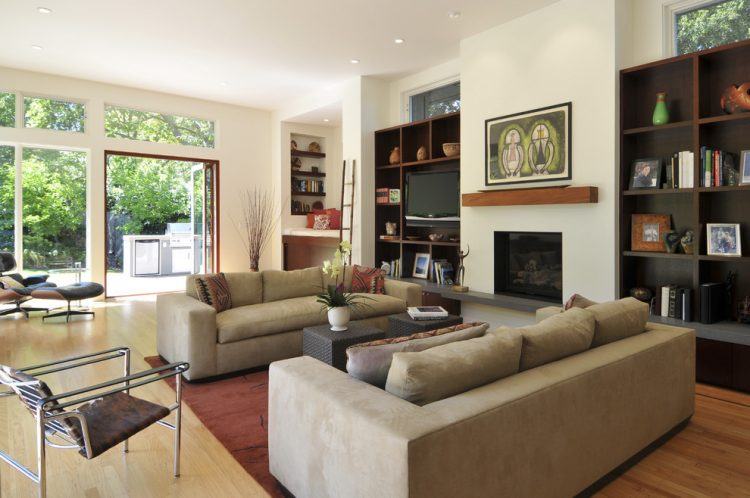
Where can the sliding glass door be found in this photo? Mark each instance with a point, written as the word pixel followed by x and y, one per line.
pixel 160 217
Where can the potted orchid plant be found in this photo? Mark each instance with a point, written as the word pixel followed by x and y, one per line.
pixel 336 301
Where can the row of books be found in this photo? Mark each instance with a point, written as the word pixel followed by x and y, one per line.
pixel 387 196
pixel 680 170
pixel 308 186
pixel 713 164
pixel 674 302
pixel 442 272
pixel 394 269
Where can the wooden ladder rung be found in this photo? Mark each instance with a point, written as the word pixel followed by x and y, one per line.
pixel 346 205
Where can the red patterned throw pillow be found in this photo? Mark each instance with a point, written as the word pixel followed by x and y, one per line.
pixel 368 280
pixel 322 222
pixel 214 290
pixel 578 301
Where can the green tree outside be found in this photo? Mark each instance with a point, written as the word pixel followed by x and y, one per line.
pixel 713 25
pixel 7 109
pixel 54 114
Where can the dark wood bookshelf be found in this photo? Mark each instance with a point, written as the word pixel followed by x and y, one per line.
pixel 430 133
pixel 694 84
pixel 306 153
pixel 309 174
pixel 310 194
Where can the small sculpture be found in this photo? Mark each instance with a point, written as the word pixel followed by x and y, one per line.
pixel 736 99
pixel 395 156
pixel 687 242
pixel 743 310
pixel 643 294
pixel 672 241
pixel 391 227
pixel 386 267
pixel 294 145
pixel 461 271
pixel 422 153
pixel 296 163
pixel 313 147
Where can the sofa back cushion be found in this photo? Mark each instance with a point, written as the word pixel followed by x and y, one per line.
pixel 557 337
pixel 444 371
pixel 347 279
pixel 370 361
pixel 278 285
pixel 617 320
pixel 245 287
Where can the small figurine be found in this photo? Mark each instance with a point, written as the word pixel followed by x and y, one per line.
pixel 687 242
pixel 461 271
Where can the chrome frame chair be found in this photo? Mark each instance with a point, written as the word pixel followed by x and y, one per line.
pixel 50 424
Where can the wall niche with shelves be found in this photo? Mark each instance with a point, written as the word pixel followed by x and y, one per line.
pixel 308 173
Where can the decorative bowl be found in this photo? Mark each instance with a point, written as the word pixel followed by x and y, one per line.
pixel 451 149
pixel 436 237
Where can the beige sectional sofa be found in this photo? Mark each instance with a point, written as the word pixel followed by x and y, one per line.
pixel 551 430
pixel 269 311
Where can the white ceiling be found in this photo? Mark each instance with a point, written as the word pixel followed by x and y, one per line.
pixel 265 51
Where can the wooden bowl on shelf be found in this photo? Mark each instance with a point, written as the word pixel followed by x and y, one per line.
pixel 451 149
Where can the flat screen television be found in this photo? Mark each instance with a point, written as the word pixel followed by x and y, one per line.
pixel 432 197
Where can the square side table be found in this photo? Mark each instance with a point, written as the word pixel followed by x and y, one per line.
pixel 328 346
pixel 402 324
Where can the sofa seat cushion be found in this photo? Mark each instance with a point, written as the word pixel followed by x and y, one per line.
pixel 370 361
pixel 377 305
pixel 557 337
pixel 444 371
pixel 617 320
pixel 262 319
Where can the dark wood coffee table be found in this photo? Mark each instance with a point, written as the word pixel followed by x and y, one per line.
pixel 402 324
pixel 328 346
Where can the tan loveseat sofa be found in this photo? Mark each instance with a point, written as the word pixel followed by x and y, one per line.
pixel 269 311
pixel 549 431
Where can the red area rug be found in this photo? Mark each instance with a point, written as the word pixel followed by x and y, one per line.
pixel 235 410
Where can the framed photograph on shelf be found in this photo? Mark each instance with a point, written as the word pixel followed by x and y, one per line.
pixel 421 265
pixel 528 147
pixel 646 173
pixel 745 167
pixel 723 239
pixel 647 232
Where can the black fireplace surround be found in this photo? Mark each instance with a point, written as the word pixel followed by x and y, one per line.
pixel 529 264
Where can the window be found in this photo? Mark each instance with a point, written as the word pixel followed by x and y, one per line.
pixel 435 102
pixel 54 208
pixel 7 109
pixel 120 122
pixel 7 197
pixel 702 25
pixel 52 114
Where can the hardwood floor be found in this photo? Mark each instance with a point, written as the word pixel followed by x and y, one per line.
pixel 207 467
pixel 710 457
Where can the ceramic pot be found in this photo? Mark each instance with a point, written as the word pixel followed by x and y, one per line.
pixel 451 149
pixel 736 99
pixel 395 156
pixel 422 153
pixel 661 113
pixel 339 317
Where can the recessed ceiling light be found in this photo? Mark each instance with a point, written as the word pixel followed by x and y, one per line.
pixel 44 10
pixel 37 47
pixel 354 61
pixel 398 41
pixel 224 83
pixel 454 14
pixel 325 120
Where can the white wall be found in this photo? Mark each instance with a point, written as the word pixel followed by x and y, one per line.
pixel 242 148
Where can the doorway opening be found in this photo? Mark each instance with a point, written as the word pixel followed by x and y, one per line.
pixel 161 224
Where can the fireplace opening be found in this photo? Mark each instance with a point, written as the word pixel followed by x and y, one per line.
pixel 529 264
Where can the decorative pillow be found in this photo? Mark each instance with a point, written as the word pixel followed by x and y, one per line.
pixel 368 280
pixel 370 361
pixel 311 217
pixel 557 337
pixel 618 320
pixel 578 301
pixel 214 290
pixel 444 371
pixel 322 222
pixel 335 218
pixel 7 282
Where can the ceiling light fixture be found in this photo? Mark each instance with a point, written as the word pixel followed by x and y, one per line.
pixel 454 14
pixel 354 61
pixel 398 41
pixel 224 83
pixel 37 47
pixel 44 10
pixel 325 120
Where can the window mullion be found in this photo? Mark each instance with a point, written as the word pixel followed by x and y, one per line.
pixel 18 208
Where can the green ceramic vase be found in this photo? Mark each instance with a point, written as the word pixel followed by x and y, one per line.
pixel 661 113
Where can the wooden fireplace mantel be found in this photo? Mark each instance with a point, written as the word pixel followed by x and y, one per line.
pixel 532 196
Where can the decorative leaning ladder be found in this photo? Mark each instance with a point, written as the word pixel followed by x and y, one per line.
pixel 350 204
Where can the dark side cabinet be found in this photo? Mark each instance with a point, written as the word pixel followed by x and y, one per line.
pixel 722 364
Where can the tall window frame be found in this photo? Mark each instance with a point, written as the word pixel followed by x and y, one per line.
pixel 406 111
pixel 671 12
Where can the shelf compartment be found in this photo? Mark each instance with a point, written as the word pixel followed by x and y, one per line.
pixel 653 129
pixel 414 137
pixel 445 130
pixel 718 69
pixel 305 153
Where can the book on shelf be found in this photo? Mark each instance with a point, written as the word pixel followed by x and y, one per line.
pixel 679 169
pixel 673 301
pixel 713 163
pixel 442 272
pixel 389 237
pixel 382 196
pixel 394 268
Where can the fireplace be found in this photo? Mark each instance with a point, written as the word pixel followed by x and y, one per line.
pixel 529 264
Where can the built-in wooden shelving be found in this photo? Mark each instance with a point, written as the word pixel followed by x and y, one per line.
pixel 307 153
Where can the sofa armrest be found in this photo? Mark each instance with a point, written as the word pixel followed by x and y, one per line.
pixel 547 312
pixel 409 292
pixel 186 331
pixel 332 435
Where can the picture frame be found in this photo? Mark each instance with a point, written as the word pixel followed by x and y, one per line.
pixel 646 173
pixel 529 147
pixel 421 265
pixel 723 239
pixel 647 232
pixel 745 167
